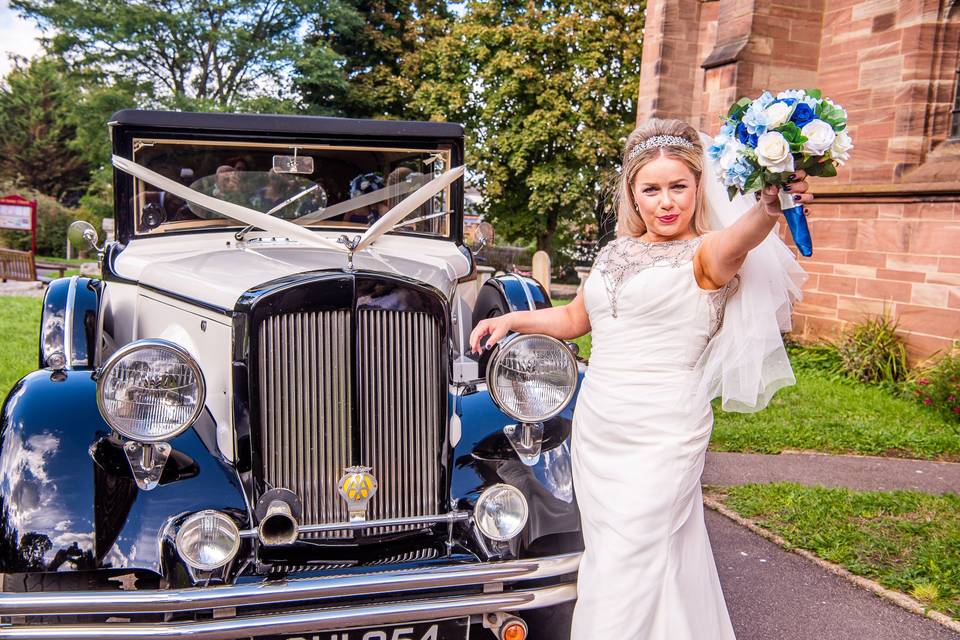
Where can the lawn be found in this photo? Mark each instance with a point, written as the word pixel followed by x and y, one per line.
pixel 20 328
pixel 904 540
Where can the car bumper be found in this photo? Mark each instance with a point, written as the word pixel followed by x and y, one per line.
pixel 319 602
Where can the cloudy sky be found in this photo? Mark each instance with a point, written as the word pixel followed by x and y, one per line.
pixel 17 36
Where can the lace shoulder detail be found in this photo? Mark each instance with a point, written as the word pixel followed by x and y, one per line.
pixel 627 256
pixel 718 303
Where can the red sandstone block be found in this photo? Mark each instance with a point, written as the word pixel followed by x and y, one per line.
pixel 816 328
pixel 837 284
pixel 941 238
pixel 953 298
pixel 858 210
pixel 884 290
pixel 883 235
pixel 834 234
pixel 855 270
pixel 906 276
pixel 948 265
pixel 928 320
pixel 817 267
pixel 857 307
pixel 952 279
pixel 819 301
pixel 912 262
pixel 930 211
pixel 929 295
pixel 921 348
pixel 867 258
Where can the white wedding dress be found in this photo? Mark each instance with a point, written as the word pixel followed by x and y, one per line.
pixel 639 440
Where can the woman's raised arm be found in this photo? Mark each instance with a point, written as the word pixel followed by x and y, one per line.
pixel 723 252
pixel 564 323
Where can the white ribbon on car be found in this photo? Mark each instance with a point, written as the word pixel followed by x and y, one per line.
pixel 282 227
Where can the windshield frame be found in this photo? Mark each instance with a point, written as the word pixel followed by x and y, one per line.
pixel 249 130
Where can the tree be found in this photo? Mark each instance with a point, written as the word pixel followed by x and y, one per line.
pixel 37 100
pixel 548 94
pixel 355 53
pixel 209 54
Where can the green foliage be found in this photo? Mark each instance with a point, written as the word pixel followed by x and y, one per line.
pixel 548 94
pixel 20 327
pixel 938 385
pixel 820 358
pixel 37 127
pixel 905 540
pixel 190 52
pixel 354 58
pixel 871 351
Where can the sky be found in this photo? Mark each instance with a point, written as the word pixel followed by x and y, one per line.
pixel 17 36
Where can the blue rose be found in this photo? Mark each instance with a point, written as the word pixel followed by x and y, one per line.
pixel 745 137
pixel 802 114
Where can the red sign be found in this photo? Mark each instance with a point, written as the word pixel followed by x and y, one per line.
pixel 16 212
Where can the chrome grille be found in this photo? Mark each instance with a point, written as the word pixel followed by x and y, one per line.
pixel 305 364
pixel 399 379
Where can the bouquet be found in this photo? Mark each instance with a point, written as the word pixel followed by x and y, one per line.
pixel 763 141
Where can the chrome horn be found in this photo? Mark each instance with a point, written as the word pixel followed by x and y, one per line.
pixel 278 511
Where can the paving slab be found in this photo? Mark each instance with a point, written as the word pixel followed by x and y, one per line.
pixel 21 288
pixel 864 473
pixel 773 594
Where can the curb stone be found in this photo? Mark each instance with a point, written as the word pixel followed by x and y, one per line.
pixel 900 599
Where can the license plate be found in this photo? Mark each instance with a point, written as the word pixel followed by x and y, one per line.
pixel 455 629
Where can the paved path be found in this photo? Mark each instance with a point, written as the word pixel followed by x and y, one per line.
pixel 773 594
pixel 855 472
pixel 18 288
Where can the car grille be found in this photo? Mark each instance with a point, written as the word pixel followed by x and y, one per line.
pixel 308 364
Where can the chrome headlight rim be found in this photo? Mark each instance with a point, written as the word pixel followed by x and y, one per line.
pixel 139 345
pixel 503 348
pixel 199 515
pixel 487 495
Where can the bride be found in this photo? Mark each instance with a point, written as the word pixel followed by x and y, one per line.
pixel 686 304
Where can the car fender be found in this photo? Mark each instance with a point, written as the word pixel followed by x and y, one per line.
pixel 68 322
pixel 68 501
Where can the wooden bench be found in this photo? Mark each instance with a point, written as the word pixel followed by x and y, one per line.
pixel 20 265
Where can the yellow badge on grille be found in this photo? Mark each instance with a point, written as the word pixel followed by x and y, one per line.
pixel 357 486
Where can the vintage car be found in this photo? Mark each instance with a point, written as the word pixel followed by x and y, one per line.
pixel 264 419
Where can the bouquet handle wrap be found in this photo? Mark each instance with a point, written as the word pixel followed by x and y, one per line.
pixel 797 223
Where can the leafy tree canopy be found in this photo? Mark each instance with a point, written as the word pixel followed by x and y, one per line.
pixel 37 129
pixel 188 53
pixel 547 92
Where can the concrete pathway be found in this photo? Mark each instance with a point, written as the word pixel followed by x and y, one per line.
pixel 773 594
pixel 863 473
pixel 19 288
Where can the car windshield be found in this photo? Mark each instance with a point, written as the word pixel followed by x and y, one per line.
pixel 311 185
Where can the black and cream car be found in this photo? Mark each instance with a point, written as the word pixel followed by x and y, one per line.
pixel 264 419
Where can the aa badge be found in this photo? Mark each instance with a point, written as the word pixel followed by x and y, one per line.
pixel 357 486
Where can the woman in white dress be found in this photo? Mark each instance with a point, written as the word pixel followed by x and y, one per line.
pixel 656 301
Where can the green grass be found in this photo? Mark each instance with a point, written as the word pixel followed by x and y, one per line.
pixel 822 413
pixel 904 540
pixel 20 331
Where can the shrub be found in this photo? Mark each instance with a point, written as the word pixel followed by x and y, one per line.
pixel 938 386
pixel 821 357
pixel 872 352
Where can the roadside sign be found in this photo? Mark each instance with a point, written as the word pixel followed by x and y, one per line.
pixel 20 214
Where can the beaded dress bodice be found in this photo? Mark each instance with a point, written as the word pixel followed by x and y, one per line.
pixel 642 297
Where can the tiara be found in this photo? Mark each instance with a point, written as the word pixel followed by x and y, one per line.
pixel 658 141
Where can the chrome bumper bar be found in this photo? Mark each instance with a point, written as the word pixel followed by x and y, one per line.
pixel 321 617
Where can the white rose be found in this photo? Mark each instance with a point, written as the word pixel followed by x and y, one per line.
pixel 840 149
pixel 777 114
pixel 819 135
pixel 773 152
pixel 731 152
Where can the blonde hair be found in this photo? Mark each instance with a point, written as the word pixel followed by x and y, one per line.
pixel 629 222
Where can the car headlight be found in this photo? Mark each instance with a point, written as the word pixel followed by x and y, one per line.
pixel 501 512
pixel 150 390
pixel 207 540
pixel 532 377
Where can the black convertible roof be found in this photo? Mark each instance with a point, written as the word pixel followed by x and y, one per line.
pixel 278 124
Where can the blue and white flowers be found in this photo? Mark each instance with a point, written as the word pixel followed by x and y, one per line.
pixel 763 141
